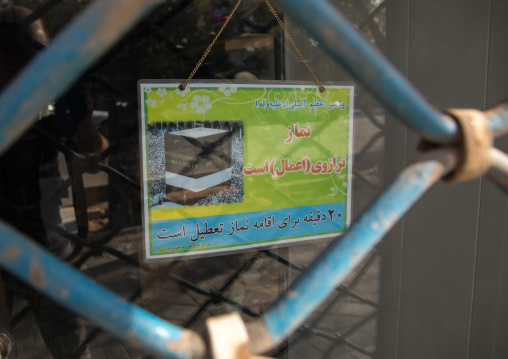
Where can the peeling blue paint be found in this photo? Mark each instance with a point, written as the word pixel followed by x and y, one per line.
pixel 345 253
pixel 31 263
pixel 51 73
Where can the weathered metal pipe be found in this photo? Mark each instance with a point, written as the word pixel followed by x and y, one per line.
pixel 94 32
pixel 498 172
pixel 342 255
pixel 498 119
pixel 345 45
pixel 49 275
pixel 52 72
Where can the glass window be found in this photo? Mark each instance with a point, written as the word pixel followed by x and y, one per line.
pixel 72 183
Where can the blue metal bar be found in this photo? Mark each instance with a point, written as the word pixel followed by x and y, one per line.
pixel 498 119
pixel 72 52
pixel 498 172
pixel 49 275
pixel 98 28
pixel 341 256
pixel 341 40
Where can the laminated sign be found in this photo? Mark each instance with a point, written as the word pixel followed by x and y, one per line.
pixel 231 166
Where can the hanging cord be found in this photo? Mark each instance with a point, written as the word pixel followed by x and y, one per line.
pixel 184 85
pixel 321 88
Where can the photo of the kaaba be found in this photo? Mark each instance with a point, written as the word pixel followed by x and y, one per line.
pixel 196 163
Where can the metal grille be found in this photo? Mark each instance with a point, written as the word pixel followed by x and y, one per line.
pixel 246 283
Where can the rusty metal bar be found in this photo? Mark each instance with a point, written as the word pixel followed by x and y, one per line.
pixel 70 288
pixel 498 119
pixel 331 267
pixel 70 54
pixel 98 28
pixel 346 46
pixel 498 172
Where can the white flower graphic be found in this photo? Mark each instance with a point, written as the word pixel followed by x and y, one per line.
pixel 228 90
pixel 148 89
pixel 151 102
pixel 201 103
pixel 182 106
pixel 182 92
pixel 162 92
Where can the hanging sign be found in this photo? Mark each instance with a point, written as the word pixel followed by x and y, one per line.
pixel 228 167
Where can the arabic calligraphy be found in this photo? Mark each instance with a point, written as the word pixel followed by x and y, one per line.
pixel 274 105
pixel 185 246
pixel 236 228
pixel 291 221
pixel 298 132
pixel 164 235
pixel 317 103
pixel 332 165
pixel 206 231
pixel 340 105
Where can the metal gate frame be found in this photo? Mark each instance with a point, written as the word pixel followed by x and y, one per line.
pixel 456 144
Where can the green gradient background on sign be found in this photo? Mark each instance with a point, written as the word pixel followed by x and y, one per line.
pixel 265 131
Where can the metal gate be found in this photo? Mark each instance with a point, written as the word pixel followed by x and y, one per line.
pixel 457 145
